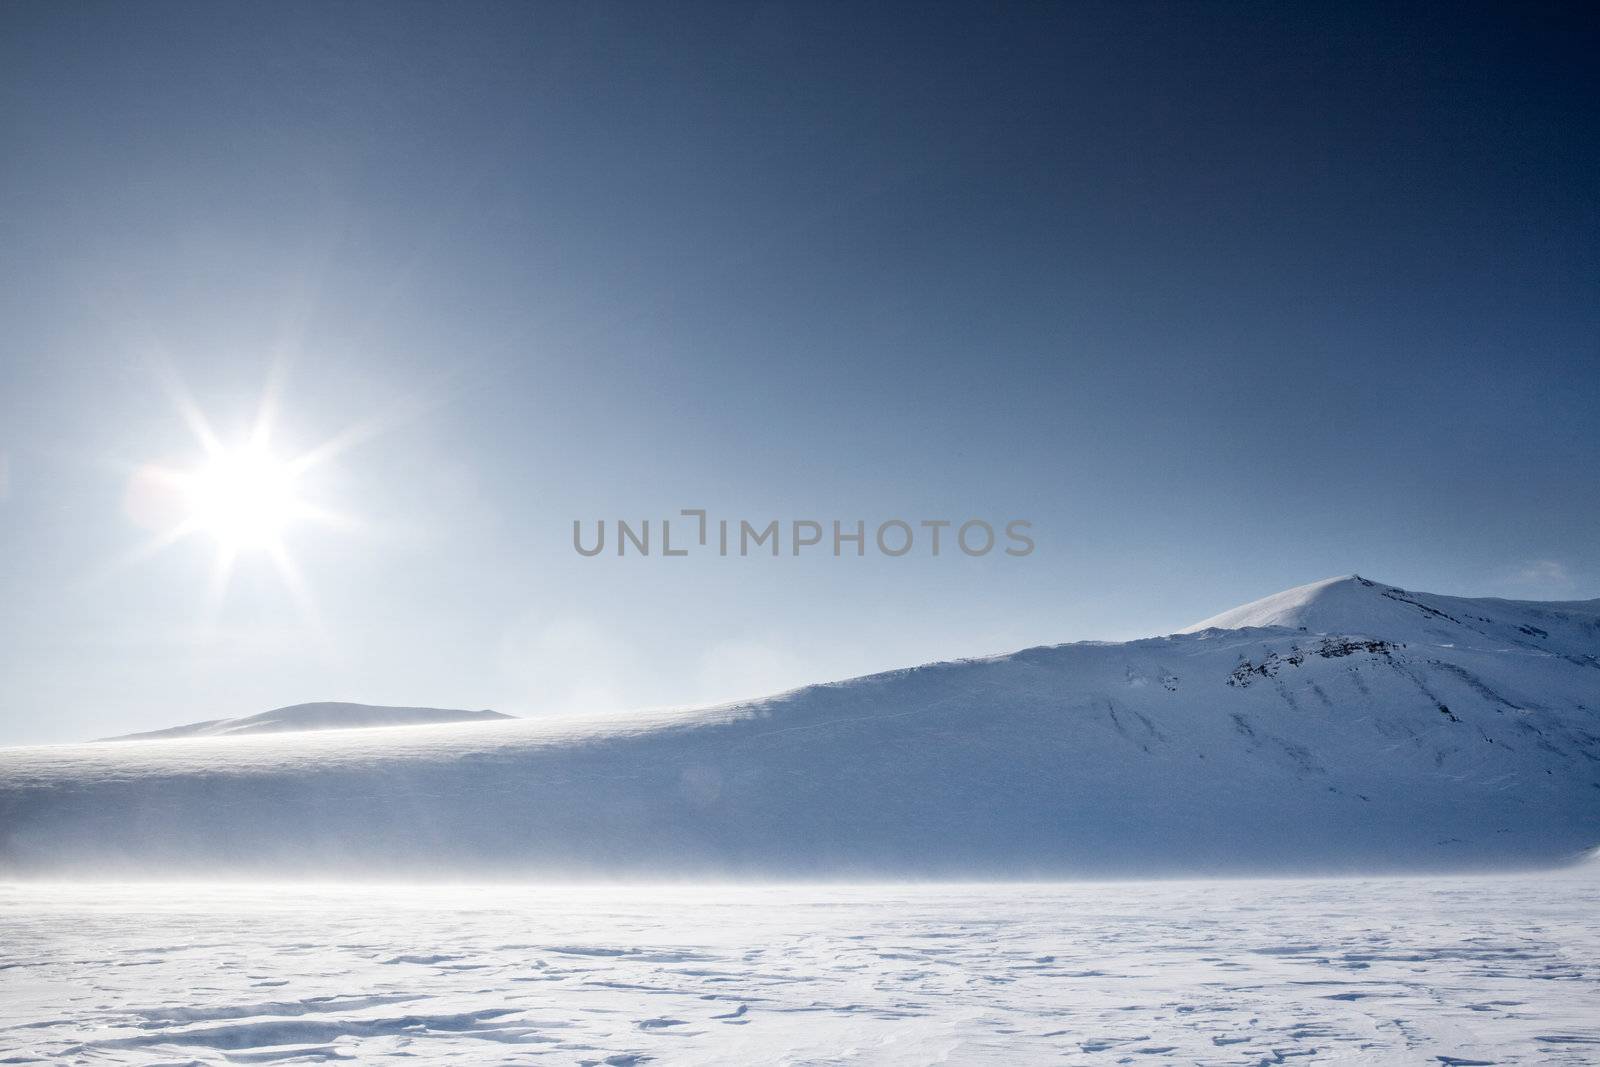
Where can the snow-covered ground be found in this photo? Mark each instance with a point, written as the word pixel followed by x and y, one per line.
pixel 1343 727
pixel 1346 726
pixel 1488 970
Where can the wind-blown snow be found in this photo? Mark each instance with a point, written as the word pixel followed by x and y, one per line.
pixel 327 715
pixel 1396 731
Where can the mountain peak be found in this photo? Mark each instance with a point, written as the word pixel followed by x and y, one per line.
pixel 1353 605
pixel 1309 606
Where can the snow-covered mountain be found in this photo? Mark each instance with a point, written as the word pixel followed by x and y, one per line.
pixel 326 715
pixel 1354 604
pixel 1342 726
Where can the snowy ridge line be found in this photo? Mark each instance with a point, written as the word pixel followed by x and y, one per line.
pixel 1344 727
pixel 327 715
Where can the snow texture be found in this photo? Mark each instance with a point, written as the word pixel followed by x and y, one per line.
pixel 1347 726
pixel 1439 971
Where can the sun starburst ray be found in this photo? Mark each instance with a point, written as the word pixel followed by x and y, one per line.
pixel 241 496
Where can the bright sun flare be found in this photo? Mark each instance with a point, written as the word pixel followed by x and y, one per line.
pixel 244 498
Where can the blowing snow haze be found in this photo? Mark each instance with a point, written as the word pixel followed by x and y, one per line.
pixel 1345 725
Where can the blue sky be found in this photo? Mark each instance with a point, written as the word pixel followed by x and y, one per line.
pixel 1222 298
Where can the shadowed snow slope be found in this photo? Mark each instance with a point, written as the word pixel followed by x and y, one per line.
pixel 328 715
pixel 1345 726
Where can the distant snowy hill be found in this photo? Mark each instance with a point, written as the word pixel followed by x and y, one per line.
pixel 328 715
pixel 1341 727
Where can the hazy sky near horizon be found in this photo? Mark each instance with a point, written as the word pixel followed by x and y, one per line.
pixel 1223 298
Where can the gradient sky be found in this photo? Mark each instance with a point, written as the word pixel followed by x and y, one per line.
pixel 1223 298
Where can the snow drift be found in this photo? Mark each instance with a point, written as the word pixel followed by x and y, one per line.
pixel 1344 726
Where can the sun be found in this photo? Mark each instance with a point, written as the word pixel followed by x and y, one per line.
pixel 244 498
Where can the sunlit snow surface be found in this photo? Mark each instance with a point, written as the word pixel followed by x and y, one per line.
pixel 1458 970
pixel 1400 732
